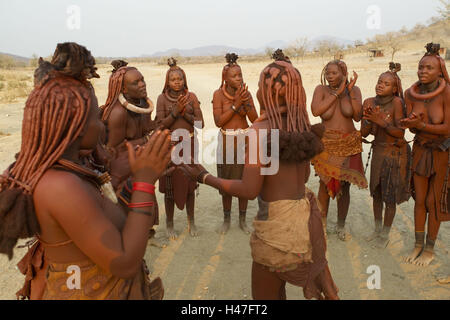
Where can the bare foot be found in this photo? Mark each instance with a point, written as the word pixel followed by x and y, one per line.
pixel 224 228
pixel 381 242
pixel 425 258
pixel 244 227
pixel 444 280
pixel 373 236
pixel 171 234
pixel 192 229
pixel 414 254
pixel 342 233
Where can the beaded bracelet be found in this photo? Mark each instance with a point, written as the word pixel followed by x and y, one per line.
pixel 201 175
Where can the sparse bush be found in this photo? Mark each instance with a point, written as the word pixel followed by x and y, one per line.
pixel 393 42
pixel 444 9
pixel 268 52
pixel 34 61
pixel 16 84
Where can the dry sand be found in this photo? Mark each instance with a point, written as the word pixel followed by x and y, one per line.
pixel 214 266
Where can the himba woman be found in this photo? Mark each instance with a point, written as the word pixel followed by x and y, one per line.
pixel 338 103
pixel 127 117
pixel 48 193
pixel 288 243
pixel 177 109
pixel 232 105
pixel 390 166
pixel 428 116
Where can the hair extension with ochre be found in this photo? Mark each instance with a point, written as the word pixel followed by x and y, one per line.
pixel 298 140
pixel 172 62
pixel 54 116
pixel 433 50
pixel 340 64
pixel 231 59
pixel 115 86
pixel 394 68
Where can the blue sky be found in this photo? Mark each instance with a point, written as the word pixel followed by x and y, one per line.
pixel 134 27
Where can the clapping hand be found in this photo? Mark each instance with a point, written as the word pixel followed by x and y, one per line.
pixel 414 121
pixel 352 83
pixel 148 162
pixel 375 115
pixel 182 101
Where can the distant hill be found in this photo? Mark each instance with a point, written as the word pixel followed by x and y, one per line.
pixel 16 58
pixel 204 51
pixel 218 50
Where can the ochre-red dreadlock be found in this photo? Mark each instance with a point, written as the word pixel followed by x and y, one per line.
pixel 172 62
pixel 298 140
pixel 393 69
pixel 340 64
pixel 54 116
pixel 433 51
pixel 276 75
pixel 115 86
pixel 231 59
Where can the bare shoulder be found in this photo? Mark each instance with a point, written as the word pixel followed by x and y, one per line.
pixel 320 88
pixel 217 99
pixel 161 99
pixel 54 187
pixel 408 94
pixel 193 97
pixel 217 92
pixel 397 101
pixel 118 112
pixel 217 96
pixel 447 90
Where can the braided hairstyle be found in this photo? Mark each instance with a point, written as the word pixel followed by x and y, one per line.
pixel 115 86
pixel 433 51
pixel 231 59
pixel 172 62
pixel 340 64
pixel 394 68
pixel 117 64
pixel 298 140
pixel 54 116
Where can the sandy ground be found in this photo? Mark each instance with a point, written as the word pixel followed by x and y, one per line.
pixel 214 266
